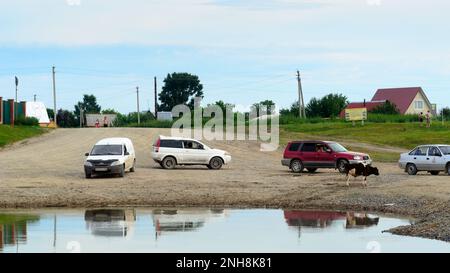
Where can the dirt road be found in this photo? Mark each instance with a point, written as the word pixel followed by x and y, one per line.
pixel 48 172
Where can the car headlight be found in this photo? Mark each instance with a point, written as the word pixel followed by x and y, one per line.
pixel 88 164
pixel 116 163
pixel 357 157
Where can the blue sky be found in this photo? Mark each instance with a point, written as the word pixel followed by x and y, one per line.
pixel 243 51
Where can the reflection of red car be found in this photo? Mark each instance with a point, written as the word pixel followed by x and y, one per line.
pixel 312 218
pixel 313 155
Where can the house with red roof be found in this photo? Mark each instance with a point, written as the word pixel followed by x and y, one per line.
pixel 410 100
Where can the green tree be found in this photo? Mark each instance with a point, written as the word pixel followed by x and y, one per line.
pixel 446 113
pixel 270 106
pixel 66 119
pixel 387 108
pixel 89 105
pixel 292 111
pixel 51 113
pixel 223 105
pixel 180 88
pixel 329 106
pixel 109 112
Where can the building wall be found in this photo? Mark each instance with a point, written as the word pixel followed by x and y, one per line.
pixel 412 108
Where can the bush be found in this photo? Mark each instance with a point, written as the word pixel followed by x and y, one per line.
pixel 26 121
pixel 384 118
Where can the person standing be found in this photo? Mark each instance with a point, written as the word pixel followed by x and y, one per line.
pixel 421 119
pixel 105 122
pixel 428 117
pixel 97 124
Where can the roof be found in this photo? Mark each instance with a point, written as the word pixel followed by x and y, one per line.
pixel 176 138
pixel 114 141
pixel 401 97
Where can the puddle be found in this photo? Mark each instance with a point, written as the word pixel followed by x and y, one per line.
pixel 204 230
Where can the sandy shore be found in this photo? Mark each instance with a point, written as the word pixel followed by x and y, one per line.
pixel 48 172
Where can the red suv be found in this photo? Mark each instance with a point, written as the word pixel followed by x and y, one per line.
pixel 313 155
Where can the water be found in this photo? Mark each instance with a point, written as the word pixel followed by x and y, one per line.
pixel 204 230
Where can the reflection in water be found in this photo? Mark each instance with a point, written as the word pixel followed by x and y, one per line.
pixel 317 219
pixel 360 220
pixel 193 230
pixel 324 219
pixel 183 220
pixel 110 222
pixel 13 229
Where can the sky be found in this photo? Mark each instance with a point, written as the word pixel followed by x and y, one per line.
pixel 243 51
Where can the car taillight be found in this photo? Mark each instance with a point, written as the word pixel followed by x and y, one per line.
pixel 157 145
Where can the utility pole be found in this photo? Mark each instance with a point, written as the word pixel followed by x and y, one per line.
pixel 54 97
pixel 138 113
pixel 156 99
pixel 81 116
pixel 301 102
pixel 15 102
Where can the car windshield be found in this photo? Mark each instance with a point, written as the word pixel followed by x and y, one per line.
pixel 445 150
pixel 338 148
pixel 107 150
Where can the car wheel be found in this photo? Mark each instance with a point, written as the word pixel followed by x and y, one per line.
pixel 216 163
pixel 88 175
pixel 434 173
pixel 411 169
pixel 297 166
pixel 122 171
pixel 169 163
pixel 312 170
pixel 341 165
pixel 133 169
pixel 448 168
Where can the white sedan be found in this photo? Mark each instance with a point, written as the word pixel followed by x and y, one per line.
pixel 428 158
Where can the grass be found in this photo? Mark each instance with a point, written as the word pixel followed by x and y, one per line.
pixel 6 219
pixel 10 135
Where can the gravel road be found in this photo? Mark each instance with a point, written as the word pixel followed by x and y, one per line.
pixel 48 172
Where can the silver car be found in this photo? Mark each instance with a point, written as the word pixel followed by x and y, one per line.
pixel 429 158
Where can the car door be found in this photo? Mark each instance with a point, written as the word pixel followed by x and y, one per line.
pixel 437 160
pixel 194 153
pixel 326 156
pixel 308 155
pixel 127 156
pixel 421 159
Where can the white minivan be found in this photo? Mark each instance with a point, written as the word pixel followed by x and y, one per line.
pixel 110 156
pixel 172 151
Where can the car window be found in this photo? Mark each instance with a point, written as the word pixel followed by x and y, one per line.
pixel 434 151
pixel 171 144
pixel 192 145
pixel 309 147
pixel 338 148
pixel 322 148
pixel 125 150
pixel 445 150
pixel 107 150
pixel 294 147
pixel 421 151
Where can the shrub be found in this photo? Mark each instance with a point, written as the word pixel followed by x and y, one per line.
pixel 26 121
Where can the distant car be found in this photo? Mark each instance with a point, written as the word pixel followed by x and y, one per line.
pixel 428 158
pixel 313 155
pixel 111 156
pixel 172 151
